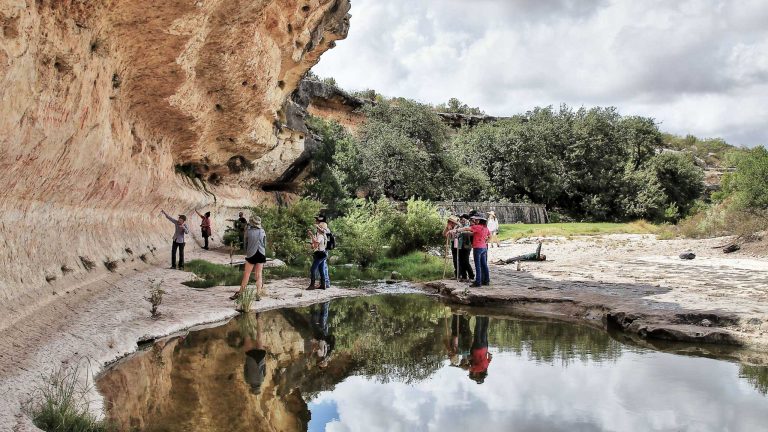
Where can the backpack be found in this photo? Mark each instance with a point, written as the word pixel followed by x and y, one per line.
pixel 331 241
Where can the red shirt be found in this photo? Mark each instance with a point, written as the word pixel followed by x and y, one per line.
pixel 480 236
pixel 479 360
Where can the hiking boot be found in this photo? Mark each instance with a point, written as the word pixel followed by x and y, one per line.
pixel 311 287
pixel 475 285
pixel 172 268
pixel 181 268
pixel 235 296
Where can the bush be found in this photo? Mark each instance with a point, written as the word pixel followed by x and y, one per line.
pixel 286 228
pixel 369 228
pixel 748 184
pixel 60 404
pixel 359 235
pixel 419 229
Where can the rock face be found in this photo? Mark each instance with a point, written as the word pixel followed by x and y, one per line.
pixel 113 110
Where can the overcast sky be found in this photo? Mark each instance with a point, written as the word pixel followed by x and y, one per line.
pixel 696 66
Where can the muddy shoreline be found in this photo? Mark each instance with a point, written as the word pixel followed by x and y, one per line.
pixel 621 291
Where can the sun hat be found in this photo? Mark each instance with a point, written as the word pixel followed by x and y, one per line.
pixel 492 213
pixel 255 221
pixel 322 226
pixel 453 219
pixel 479 216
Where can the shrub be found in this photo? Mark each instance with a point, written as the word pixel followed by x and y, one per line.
pixel 60 404
pixel 420 229
pixel 155 296
pixel 247 297
pixel 286 228
pixel 359 235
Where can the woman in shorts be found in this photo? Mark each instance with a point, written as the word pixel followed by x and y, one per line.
pixel 255 240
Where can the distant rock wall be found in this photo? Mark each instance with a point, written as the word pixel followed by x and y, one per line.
pixel 105 103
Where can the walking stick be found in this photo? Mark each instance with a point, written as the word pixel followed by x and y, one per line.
pixel 445 259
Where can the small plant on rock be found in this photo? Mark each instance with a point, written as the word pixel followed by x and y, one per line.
pixel 60 403
pixel 247 297
pixel 155 297
pixel 88 263
pixel 110 265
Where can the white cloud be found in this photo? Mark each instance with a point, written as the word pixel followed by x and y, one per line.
pixel 698 66
pixel 639 392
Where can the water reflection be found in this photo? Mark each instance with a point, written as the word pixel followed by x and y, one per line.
pixel 410 363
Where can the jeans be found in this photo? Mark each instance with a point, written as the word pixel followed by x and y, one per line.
pixel 482 273
pixel 180 247
pixel 480 339
pixel 320 265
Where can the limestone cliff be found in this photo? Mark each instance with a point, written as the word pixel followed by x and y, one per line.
pixel 114 109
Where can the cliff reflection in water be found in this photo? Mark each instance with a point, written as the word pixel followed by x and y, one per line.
pixel 259 372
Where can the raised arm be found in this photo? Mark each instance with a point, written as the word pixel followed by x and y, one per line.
pixel 198 213
pixel 538 251
pixel 168 217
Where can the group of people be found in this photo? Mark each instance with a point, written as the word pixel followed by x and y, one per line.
pixel 471 233
pixel 254 243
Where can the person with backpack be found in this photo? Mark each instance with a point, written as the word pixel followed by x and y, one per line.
pixel 319 241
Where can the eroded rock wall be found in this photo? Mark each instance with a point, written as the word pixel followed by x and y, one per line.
pixel 105 103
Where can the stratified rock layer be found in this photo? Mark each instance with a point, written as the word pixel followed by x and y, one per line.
pixel 104 104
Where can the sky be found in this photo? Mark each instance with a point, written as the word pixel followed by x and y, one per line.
pixel 639 392
pixel 696 66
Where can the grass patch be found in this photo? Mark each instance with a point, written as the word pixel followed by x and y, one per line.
pixel 60 404
pixel 516 231
pixel 416 267
pixel 213 274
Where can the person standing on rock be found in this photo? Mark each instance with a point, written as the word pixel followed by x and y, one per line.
pixel 205 227
pixel 241 225
pixel 319 256
pixel 255 245
pixel 465 249
pixel 453 242
pixel 181 229
pixel 493 227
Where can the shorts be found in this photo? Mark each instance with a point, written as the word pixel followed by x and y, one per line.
pixel 257 258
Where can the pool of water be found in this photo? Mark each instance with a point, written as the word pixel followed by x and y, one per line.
pixel 412 363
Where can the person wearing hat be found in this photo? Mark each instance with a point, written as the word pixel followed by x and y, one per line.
pixel 493 227
pixel 319 242
pixel 255 245
pixel 205 227
pixel 453 240
pixel 181 229
pixel 465 249
pixel 480 235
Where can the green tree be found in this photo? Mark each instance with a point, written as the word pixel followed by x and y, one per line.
pixel 402 151
pixel 680 179
pixel 748 184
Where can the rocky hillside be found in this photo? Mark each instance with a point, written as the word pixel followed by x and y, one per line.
pixel 113 110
